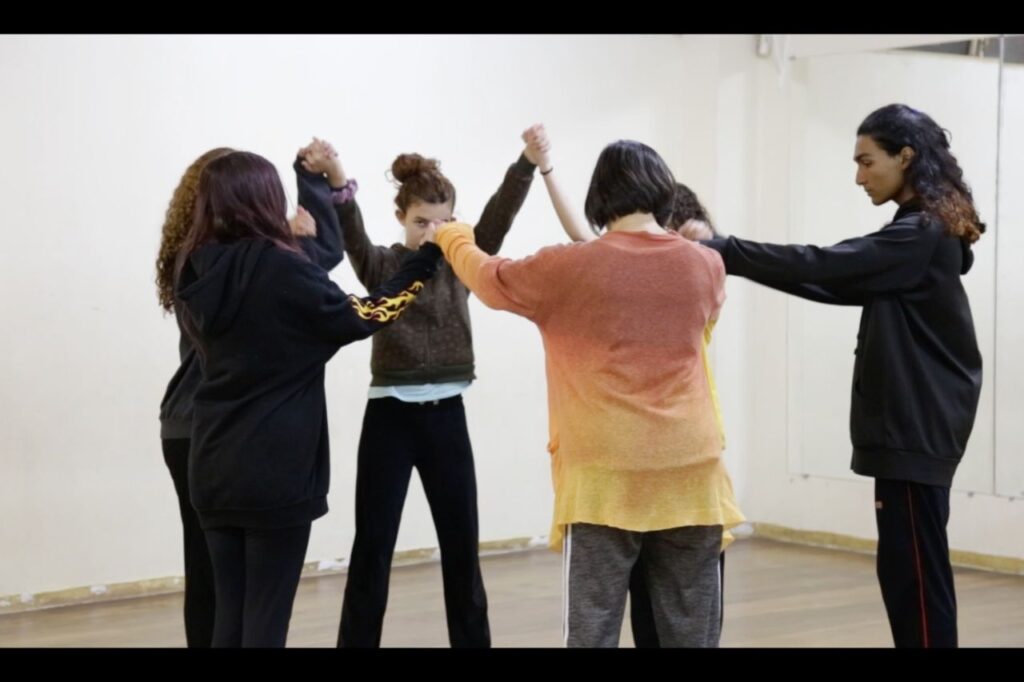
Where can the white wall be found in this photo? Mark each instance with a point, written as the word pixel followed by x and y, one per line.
pixel 96 132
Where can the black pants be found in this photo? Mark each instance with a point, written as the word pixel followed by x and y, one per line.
pixel 433 438
pixel 257 573
pixel 199 590
pixel 641 615
pixel 914 570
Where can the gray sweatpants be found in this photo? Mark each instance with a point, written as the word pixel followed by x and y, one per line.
pixel 682 576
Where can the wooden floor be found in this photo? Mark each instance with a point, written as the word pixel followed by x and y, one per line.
pixel 777 595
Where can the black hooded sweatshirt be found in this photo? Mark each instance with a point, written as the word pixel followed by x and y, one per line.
pixel 265 321
pixel 917 371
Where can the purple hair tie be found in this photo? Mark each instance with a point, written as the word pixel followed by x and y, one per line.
pixel 345 193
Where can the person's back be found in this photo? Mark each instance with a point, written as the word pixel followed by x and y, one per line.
pixel 624 338
pixel 267 320
pixel 260 409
